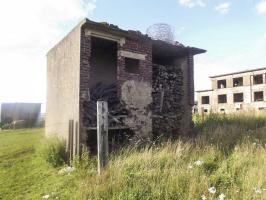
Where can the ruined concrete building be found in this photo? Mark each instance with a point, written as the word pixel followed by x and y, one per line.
pixel 235 92
pixel 148 84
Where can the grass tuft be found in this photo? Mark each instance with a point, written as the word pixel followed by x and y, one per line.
pixel 54 152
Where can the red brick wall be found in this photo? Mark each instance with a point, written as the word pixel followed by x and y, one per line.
pixel 141 45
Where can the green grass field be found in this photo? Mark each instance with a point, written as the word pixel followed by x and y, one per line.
pixel 227 156
pixel 23 172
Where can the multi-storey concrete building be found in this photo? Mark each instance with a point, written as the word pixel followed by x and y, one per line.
pixel 234 92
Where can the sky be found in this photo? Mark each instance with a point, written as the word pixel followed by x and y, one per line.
pixel 233 32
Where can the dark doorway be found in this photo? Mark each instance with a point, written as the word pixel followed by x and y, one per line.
pixel 103 61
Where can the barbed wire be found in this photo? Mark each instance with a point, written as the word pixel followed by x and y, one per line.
pixel 161 31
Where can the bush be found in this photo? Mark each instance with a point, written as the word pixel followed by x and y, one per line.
pixel 54 152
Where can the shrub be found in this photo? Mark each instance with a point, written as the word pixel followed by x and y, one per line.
pixel 54 152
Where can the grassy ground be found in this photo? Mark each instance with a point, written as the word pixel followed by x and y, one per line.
pixel 229 154
pixel 23 172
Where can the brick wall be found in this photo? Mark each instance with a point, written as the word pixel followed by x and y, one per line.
pixel 141 45
pixel 85 53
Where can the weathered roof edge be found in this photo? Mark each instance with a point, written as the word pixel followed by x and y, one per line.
pixel 239 72
pixel 126 33
pixel 195 50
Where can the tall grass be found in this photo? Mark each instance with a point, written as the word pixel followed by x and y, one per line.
pixel 227 153
pixel 232 152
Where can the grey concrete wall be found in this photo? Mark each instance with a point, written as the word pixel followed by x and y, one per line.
pixel 187 66
pixel 63 80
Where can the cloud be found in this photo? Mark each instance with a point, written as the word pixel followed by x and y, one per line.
pixel 29 29
pixel 222 8
pixel 193 3
pixel 261 7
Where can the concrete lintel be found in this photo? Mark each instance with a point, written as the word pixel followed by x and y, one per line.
pixel 133 55
pixel 120 40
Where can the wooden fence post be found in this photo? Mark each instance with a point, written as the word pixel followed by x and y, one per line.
pixel 102 134
pixel 70 139
pixel 77 139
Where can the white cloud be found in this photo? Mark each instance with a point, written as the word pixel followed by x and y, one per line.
pixel 261 7
pixel 223 8
pixel 193 3
pixel 29 29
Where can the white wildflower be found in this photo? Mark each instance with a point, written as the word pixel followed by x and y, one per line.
pixel 212 190
pixel 190 167
pixel 199 162
pixel 257 190
pixel 221 196
pixel 254 143
pixel 46 196
pixel 203 197
pixel 66 170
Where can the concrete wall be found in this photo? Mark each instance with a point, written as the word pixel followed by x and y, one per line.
pixel 63 79
pixel 187 66
pixel 247 89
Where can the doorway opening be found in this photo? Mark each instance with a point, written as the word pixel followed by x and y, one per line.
pixel 103 62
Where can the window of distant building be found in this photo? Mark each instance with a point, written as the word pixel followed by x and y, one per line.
pixel 222 110
pixel 222 98
pixel 258 96
pixel 238 82
pixel 221 84
pixel 238 97
pixel 257 79
pixel 205 100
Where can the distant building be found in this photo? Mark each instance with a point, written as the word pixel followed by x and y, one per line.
pixel 28 113
pixel 234 92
